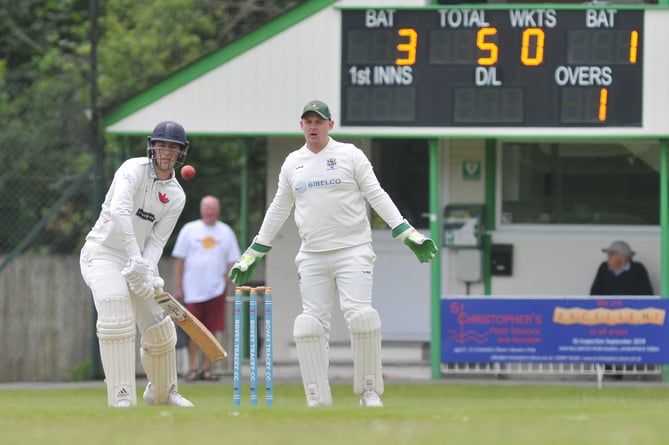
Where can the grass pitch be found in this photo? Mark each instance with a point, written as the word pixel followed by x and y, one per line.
pixel 425 413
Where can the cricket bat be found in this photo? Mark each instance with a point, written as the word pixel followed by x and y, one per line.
pixel 191 326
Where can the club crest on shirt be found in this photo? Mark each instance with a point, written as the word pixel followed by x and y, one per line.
pixel 331 164
pixel 163 198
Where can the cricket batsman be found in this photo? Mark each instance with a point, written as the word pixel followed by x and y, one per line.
pixel 119 263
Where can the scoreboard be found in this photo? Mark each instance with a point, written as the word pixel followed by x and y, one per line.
pixel 521 68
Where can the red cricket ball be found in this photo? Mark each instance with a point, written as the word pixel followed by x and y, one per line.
pixel 187 172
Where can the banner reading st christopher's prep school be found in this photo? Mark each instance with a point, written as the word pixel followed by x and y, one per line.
pixel 488 330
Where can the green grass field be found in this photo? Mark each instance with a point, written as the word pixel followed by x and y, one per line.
pixel 425 413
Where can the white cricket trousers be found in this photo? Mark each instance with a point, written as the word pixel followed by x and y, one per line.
pixel 101 269
pixel 346 274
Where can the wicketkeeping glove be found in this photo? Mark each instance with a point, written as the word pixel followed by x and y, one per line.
pixel 423 247
pixel 242 270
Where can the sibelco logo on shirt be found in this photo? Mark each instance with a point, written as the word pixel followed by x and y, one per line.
pixel 302 186
pixel 323 182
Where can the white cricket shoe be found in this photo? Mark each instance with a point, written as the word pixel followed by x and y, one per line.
pixel 314 404
pixel 174 399
pixel 123 403
pixel 370 399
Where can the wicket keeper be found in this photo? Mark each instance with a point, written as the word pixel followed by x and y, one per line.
pixel 328 182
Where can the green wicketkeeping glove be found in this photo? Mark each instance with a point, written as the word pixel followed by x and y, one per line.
pixel 242 270
pixel 422 246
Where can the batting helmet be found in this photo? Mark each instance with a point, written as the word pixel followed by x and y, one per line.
pixel 169 131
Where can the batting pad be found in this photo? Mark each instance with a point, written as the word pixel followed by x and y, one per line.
pixel 312 353
pixel 366 346
pixel 116 334
pixel 159 358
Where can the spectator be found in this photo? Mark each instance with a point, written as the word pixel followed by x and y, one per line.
pixel 205 251
pixel 619 275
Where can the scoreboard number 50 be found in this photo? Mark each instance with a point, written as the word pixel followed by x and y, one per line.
pixel 533 39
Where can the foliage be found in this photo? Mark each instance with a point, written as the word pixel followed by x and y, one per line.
pixel 45 98
pixel 41 108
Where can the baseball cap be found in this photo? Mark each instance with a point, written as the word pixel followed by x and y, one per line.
pixel 318 107
pixel 620 247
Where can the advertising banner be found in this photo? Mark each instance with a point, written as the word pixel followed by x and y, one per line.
pixel 554 330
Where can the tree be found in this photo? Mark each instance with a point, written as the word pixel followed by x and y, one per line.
pixel 44 96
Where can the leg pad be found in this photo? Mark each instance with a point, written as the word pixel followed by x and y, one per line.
pixel 159 359
pixel 366 345
pixel 116 335
pixel 312 353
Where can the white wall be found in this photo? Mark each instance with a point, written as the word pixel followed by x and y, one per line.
pixel 563 260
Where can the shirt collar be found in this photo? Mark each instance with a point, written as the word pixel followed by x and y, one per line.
pixel 625 268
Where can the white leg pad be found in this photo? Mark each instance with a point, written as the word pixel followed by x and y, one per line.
pixel 366 345
pixel 159 359
pixel 116 335
pixel 312 353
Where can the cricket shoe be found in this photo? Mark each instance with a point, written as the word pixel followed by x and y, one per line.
pixel 174 399
pixel 370 399
pixel 123 403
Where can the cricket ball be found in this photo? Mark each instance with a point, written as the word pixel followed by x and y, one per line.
pixel 188 172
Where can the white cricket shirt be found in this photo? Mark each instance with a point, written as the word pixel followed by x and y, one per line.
pixel 139 212
pixel 328 190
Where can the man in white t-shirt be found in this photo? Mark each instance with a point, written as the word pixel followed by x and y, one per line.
pixel 205 251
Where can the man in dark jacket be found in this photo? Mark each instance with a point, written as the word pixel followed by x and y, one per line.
pixel 619 275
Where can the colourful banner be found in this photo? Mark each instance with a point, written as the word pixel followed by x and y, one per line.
pixel 555 330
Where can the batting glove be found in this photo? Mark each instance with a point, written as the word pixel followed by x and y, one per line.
pixel 158 285
pixel 423 247
pixel 136 271
pixel 144 291
pixel 242 270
